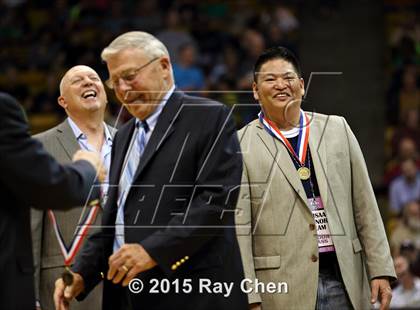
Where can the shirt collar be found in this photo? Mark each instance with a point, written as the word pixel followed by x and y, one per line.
pixel 151 120
pixel 81 136
pixel 108 136
pixel 76 130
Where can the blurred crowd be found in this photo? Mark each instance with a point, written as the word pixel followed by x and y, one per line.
pixel 402 170
pixel 213 45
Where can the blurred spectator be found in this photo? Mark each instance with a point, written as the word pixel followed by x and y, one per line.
pixel 410 128
pixel 285 19
pixel 408 228
pixel 407 293
pixel 406 150
pixel 12 83
pixel 174 36
pixel 253 44
pixel 409 94
pixel 409 251
pixel 406 187
pixel 39 39
pixel 328 9
pixel 46 100
pixel 187 75
pixel 226 71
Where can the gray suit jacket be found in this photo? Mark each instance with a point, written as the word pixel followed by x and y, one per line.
pixel 60 142
pixel 274 219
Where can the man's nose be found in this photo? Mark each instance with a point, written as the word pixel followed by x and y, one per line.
pixel 280 83
pixel 122 86
pixel 87 82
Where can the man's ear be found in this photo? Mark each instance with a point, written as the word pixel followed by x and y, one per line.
pixel 62 102
pixel 165 65
pixel 302 86
pixel 255 91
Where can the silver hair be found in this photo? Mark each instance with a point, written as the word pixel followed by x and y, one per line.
pixel 143 41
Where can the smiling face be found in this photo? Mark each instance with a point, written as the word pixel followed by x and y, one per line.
pixel 278 85
pixel 82 91
pixel 139 90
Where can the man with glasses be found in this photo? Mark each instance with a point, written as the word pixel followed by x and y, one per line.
pixel 169 218
pixel 83 97
pixel 307 214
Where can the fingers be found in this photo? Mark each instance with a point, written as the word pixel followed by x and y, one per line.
pixel 127 262
pixel 121 262
pixel 59 300
pixel 385 297
pixel 374 291
pixel 381 289
pixel 122 271
pixel 64 294
pixel 69 292
pixel 94 159
pixel 113 266
pixel 135 270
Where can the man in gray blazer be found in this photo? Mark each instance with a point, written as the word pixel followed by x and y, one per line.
pixel 83 97
pixel 308 220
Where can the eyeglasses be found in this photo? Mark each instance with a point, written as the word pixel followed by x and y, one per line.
pixel 127 76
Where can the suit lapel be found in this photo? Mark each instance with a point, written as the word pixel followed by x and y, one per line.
pixel 280 154
pixel 66 138
pixel 165 126
pixel 120 148
pixel 319 156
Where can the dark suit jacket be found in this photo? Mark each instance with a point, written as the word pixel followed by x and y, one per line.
pixel 181 208
pixel 29 176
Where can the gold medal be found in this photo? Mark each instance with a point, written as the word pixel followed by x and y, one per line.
pixel 304 173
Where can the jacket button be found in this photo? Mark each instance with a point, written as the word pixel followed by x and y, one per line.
pixel 314 258
pixel 312 226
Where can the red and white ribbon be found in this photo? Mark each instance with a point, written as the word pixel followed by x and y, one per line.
pixel 70 252
pixel 303 139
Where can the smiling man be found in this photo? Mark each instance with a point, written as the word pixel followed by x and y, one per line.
pixel 83 97
pixel 309 214
pixel 175 171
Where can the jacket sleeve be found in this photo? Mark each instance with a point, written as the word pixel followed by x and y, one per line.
pixel 368 220
pixel 31 174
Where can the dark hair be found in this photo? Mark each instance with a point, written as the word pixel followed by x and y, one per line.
pixel 277 52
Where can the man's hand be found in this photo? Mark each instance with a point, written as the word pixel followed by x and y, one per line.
pixel 382 289
pixel 64 294
pixel 94 159
pixel 127 262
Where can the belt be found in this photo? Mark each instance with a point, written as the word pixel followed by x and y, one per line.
pixel 328 264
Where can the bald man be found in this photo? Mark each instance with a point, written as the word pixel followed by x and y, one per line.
pixel 83 97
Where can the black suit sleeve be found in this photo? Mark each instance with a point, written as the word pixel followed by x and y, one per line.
pixel 30 173
pixel 212 206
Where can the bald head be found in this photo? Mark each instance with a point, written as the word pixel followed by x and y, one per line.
pixel 82 91
pixel 69 72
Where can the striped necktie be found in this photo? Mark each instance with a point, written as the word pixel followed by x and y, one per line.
pixel 132 159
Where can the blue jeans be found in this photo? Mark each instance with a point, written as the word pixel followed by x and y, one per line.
pixel 331 293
